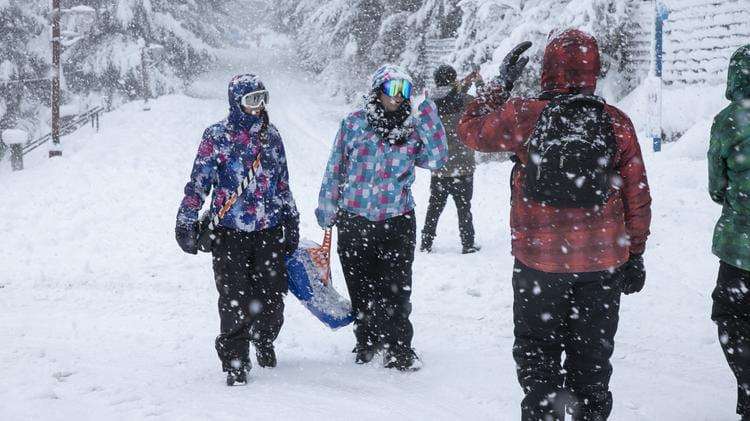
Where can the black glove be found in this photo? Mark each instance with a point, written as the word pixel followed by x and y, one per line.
pixel 513 65
pixel 187 237
pixel 633 275
pixel 291 236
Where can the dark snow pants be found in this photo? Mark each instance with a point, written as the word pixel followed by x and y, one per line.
pixel 251 279
pixel 462 189
pixel 574 313
pixel 731 312
pixel 376 258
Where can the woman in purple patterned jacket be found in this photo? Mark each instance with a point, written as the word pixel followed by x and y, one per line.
pixel 253 237
pixel 366 193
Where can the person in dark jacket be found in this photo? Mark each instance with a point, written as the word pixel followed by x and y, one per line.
pixel 258 230
pixel 729 186
pixel 571 264
pixel 366 193
pixel 456 177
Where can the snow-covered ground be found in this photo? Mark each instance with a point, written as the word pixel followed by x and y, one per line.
pixel 102 317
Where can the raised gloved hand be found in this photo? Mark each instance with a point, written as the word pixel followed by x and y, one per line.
pixel 187 237
pixel 492 95
pixel 291 235
pixel 513 64
pixel 633 275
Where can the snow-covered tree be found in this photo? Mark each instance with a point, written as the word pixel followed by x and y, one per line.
pixel 109 58
pixel 484 43
pixel 484 25
pixel 22 66
pixel 106 61
pixel 433 19
pixel 342 40
pixel 332 38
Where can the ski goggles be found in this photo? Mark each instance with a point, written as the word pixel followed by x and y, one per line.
pixel 397 87
pixel 255 99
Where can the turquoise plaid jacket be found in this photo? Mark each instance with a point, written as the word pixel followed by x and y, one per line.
pixel 370 178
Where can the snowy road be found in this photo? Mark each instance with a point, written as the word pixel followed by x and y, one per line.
pixel 103 317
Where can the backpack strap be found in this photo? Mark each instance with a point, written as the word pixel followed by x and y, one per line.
pixel 570 98
pixel 573 93
pixel 240 189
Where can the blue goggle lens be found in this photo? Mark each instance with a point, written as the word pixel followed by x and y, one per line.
pixel 396 87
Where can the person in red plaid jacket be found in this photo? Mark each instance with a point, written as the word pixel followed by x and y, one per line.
pixel 571 264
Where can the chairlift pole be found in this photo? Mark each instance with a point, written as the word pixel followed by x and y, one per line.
pixel 55 148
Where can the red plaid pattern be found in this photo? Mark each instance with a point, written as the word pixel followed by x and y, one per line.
pixel 571 61
pixel 567 240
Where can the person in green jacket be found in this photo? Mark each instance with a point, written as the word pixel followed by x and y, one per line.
pixel 729 186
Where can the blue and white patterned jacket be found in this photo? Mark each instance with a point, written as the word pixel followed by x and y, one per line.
pixel 225 156
pixel 369 177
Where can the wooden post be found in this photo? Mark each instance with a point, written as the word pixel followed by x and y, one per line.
pixel 15 139
pixel 16 156
pixel 144 77
pixel 55 148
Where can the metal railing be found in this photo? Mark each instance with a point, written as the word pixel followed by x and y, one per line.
pixel 79 120
pixel 18 149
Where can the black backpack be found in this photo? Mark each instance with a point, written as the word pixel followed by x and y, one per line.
pixel 571 153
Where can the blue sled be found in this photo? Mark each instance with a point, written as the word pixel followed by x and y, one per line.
pixel 306 283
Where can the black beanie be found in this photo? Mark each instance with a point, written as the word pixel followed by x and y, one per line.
pixel 444 75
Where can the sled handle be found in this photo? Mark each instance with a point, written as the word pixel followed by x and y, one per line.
pixel 326 249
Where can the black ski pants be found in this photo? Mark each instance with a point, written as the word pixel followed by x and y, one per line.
pixel 731 312
pixel 251 279
pixel 377 261
pixel 574 313
pixel 462 189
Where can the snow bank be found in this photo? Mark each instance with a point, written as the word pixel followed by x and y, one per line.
pixel 682 108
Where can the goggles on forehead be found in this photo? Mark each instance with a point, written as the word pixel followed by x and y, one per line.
pixel 397 87
pixel 255 99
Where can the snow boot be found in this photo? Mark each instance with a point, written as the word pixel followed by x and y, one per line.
pixel 364 353
pixel 591 417
pixel 426 246
pixel 596 407
pixel 266 355
pixel 237 377
pixel 470 249
pixel 403 360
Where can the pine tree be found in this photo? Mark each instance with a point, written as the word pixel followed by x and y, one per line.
pixel 432 19
pixel 346 41
pixel 22 67
pixel 109 58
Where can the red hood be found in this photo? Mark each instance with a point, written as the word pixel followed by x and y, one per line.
pixel 571 63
